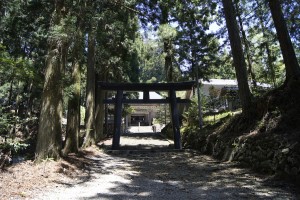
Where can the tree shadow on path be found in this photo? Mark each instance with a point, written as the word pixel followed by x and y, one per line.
pixel 189 175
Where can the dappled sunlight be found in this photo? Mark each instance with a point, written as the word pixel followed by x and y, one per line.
pixel 140 141
pixel 172 174
pixel 204 178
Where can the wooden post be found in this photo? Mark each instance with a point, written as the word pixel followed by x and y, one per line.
pixel 106 113
pixel 175 119
pixel 118 120
pixel 146 96
pixel 146 88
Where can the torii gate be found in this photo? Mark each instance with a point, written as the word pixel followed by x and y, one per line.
pixel 146 88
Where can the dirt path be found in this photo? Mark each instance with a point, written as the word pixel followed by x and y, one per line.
pixel 157 174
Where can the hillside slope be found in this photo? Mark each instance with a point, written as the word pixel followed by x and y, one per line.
pixel 268 141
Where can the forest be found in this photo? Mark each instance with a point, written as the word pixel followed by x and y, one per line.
pixel 52 54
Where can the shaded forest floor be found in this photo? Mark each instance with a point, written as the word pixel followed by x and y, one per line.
pixel 27 179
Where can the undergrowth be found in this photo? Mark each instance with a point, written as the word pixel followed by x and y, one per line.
pixel 277 112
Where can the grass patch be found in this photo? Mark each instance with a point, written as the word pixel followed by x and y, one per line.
pixel 215 118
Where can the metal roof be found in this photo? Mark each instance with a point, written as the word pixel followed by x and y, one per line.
pixel 152 95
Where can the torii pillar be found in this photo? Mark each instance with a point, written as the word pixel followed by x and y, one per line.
pixel 172 101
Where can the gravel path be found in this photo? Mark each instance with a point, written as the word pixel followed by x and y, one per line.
pixel 146 168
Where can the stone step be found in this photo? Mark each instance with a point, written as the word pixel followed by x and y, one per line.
pixel 145 129
pixel 144 151
pixel 140 129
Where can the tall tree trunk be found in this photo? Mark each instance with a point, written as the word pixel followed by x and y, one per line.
pixel 195 70
pixel 200 121
pixel 21 99
pixel 167 43
pixel 246 44
pixel 18 98
pixel 73 118
pixel 168 61
pixel 289 57
pixel 90 136
pixel 10 92
pixel 238 55
pixel 49 131
pixel 29 100
pixel 100 110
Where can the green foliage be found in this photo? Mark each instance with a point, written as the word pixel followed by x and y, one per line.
pixel 151 61
pixel 116 53
pixel 15 73
pixel 196 47
pixel 14 147
pixel 213 100
pixel 167 32
pixel 163 115
pixel 8 124
pixel 264 48
pixel 223 68
pixel 191 116
pixel 5 123
pixel 212 119
pixel 127 109
pixel 64 30
pixel 23 41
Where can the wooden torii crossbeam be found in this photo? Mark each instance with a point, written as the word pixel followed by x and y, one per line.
pixel 171 88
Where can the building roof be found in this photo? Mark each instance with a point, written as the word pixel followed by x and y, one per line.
pixel 229 82
pixel 223 82
pixel 152 95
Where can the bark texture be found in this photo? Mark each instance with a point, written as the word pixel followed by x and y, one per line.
pixel 167 44
pixel 49 132
pixel 286 46
pixel 99 111
pixel 73 118
pixel 238 55
pixel 90 136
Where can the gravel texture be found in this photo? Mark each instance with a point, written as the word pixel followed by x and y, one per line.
pixel 146 167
